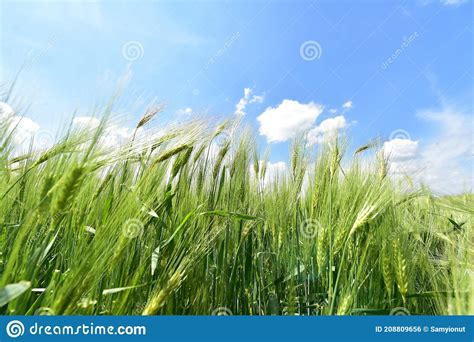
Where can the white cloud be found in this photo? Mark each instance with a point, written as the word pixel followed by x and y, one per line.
pixel 86 122
pixel 23 128
pixel 257 99
pixel 246 100
pixel 273 172
pixel 5 111
pixel 447 3
pixel 400 149
pixel 448 157
pixel 453 2
pixel 114 135
pixel 289 118
pixel 332 124
pixel 247 92
pixel 347 105
pixel 403 155
pixel 326 129
pixel 240 106
pixel 444 162
pixel 185 111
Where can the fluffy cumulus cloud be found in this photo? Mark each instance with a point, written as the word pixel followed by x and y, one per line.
pixel 403 155
pixel 24 129
pixel 287 119
pixel 400 149
pixel 248 98
pixel 5 111
pixel 274 171
pixel 444 163
pixel 114 135
pixel 85 122
pixel 326 129
pixel 291 118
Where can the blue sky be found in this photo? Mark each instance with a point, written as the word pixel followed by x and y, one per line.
pixel 401 70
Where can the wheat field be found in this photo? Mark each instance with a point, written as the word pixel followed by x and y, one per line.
pixel 192 221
